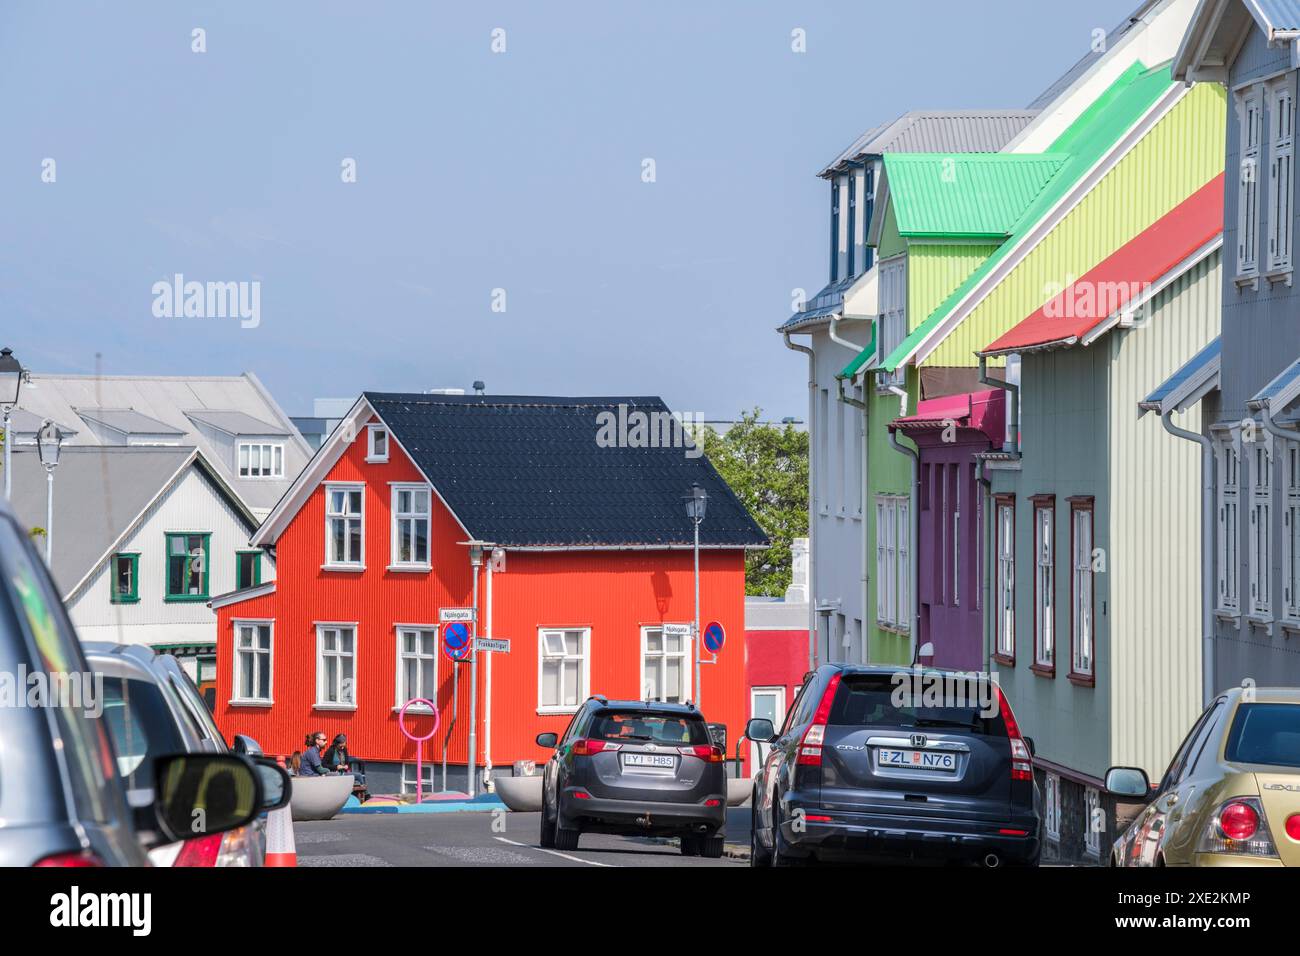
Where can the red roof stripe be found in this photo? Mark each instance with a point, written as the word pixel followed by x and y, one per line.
pixel 1124 274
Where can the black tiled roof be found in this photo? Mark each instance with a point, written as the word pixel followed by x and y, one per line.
pixel 528 471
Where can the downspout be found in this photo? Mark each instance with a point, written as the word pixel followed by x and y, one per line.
pixel 812 498
pixel 914 499
pixel 987 536
pixel 1012 443
pixel 487 689
pixel 862 492
pixel 1208 683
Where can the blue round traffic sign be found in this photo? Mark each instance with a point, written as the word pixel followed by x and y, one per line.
pixel 456 635
pixel 457 654
pixel 714 637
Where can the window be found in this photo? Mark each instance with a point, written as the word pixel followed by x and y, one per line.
pixel 123 578
pixel 376 443
pixel 1044 586
pixel 893 565
pixel 1227 523
pixel 1006 579
pixel 1250 115
pixel 261 460
pixel 835 229
pixel 823 449
pixel 411 526
pixel 1093 821
pixel 562 669
pixel 955 527
pixel 187 566
pixel 1291 535
pixel 1081 590
pixel 252 681
pixel 893 314
pixel 426 778
pixel 336 666
pixel 1052 805
pixel 858 441
pixel 665 666
pixel 417 665
pixel 344 524
pixel 1261 501
pixel 852 229
pixel 1281 166
pixel 868 204
pixel 248 569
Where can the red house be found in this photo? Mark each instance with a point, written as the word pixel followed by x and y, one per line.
pixel 561 520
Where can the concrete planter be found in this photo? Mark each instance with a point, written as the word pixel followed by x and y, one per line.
pixel 739 791
pixel 523 794
pixel 319 798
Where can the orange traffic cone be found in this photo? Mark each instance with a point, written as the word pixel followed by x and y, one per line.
pixel 280 850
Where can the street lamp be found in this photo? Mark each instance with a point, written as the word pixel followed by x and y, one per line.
pixel 697 502
pixel 49 442
pixel 11 382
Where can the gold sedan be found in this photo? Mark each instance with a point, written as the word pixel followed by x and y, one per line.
pixel 1231 796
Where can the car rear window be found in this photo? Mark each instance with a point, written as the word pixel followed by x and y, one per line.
pixel 882 700
pixel 647 726
pixel 141 726
pixel 1265 734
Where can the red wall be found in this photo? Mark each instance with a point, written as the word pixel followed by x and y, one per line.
pixel 774 659
pixel 612 593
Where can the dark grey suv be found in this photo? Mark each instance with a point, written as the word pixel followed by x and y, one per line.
pixel 635 767
pixel 864 767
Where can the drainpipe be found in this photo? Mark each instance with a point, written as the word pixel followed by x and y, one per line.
pixel 1012 441
pixel 487 688
pixel 1208 683
pixel 914 499
pixel 987 537
pixel 862 493
pixel 812 498
pixel 475 562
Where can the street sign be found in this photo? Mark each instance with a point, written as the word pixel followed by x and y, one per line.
pixel 677 630
pixel 714 637
pixel 498 644
pixel 457 654
pixel 456 635
pixel 448 614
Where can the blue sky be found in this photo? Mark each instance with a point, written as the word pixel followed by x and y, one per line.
pixel 476 171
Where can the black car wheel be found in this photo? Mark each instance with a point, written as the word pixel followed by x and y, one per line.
pixel 780 849
pixel 690 845
pixel 759 855
pixel 711 847
pixel 566 839
pixel 547 839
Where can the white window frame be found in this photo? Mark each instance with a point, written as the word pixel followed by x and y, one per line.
pixel 661 661
pixel 1091 836
pixel 401 518
pixel 331 516
pixel 584 668
pixel 371 455
pixel 1227 531
pixel 1045 585
pixel 1083 621
pixel 408 776
pixel 1250 118
pixel 893 555
pixel 1052 805
pixel 1291 533
pixel 1260 559
pixel 400 656
pixel 893 315
pixel 1281 169
pixel 1006 579
pixel 321 628
pixel 265 451
pixel 255 623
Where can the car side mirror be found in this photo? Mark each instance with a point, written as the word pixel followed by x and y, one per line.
pixel 547 740
pixel 760 730
pixel 202 794
pixel 243 744
pixel 1128 782
pixel 277 785
pixel 1029 742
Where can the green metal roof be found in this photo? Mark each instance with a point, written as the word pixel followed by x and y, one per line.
pixel 1096 130
pixel 965 194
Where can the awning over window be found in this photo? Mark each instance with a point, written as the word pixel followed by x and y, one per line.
pixel 1281 392
pixel 1193 381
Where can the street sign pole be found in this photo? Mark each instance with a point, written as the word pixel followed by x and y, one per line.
pixel 695 644
pixel 455 708
pixel 475 560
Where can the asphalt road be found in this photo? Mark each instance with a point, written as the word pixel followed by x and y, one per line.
pixel 482 839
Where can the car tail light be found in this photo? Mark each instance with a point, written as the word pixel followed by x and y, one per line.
pixel 80 859
pixel 1022 761
pixel 238 848
pixel 713 802
pixel 817 818
pixel 1293 827
pixel 585 748
pixel 1009 831
pixel 1238 827
pixel 581 795
pixel 201 851
pixel 810 747
pixel 704 752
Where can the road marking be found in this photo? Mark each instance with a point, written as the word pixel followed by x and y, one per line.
pixel 564 856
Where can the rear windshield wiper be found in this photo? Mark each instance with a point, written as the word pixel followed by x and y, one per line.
pixel 940 722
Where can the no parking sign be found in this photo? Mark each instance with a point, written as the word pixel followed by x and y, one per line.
pixel 714 637
pixel 455 641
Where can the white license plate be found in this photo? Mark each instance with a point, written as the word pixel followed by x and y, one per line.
pixel 917 759
pixel 650 761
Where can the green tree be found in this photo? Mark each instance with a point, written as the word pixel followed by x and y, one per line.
pixel 767 467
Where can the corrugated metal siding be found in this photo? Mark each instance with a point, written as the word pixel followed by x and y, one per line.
pixel 1153 656
pixel 889 472
pixel 933 271
pixel 939 132
pixel 891 243
pixel 1183 152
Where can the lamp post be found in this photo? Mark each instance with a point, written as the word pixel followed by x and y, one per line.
pixel 49 442
pixel 11 382
pixel 697 502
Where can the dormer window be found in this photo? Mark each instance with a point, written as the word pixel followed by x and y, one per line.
pixel 261 460
pixel 376 443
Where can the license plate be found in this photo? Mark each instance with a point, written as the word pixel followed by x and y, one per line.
pixel 917 759
pixel 650 761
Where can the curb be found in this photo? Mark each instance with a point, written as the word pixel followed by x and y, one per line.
pixel 440 806
pixel 736 851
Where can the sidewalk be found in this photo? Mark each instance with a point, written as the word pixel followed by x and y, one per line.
pixel 449 802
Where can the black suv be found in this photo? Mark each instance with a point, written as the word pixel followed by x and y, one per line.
pixel 869 766
pixel 635 767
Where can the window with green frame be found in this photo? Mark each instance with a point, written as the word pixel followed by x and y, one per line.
pixel 124 578
pixel 248 569
pixel 187 566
